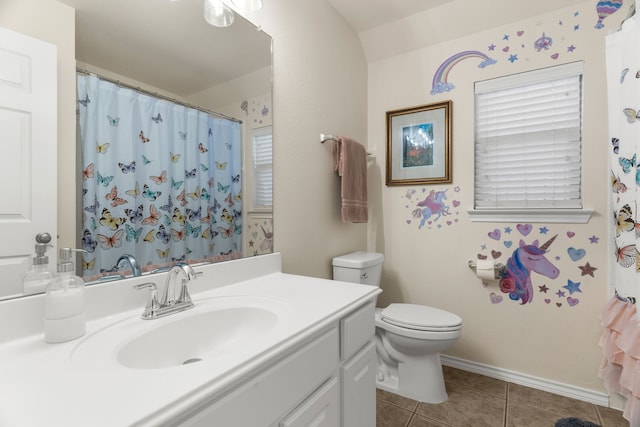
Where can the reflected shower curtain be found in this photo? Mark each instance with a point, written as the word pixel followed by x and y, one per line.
pixel 620 341
pixel 161 181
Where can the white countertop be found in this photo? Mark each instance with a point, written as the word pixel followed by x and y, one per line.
pixel 45 385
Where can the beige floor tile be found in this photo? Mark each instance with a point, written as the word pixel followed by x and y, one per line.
pixel 455 378
pixel 403 402
pixel 529 416
pixel 388 415
pixel 520 396
pixel 611 417
pixel 466 407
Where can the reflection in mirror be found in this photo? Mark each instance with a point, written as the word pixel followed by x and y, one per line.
pixel 176 55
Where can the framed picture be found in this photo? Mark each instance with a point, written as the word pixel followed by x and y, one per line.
pixel 419 145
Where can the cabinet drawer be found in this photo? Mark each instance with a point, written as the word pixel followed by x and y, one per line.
pixel 321 409
pixel 359 388
pixel 356 329
pixel 271 394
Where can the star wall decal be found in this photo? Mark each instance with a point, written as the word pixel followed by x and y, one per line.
pixel 543 288
pixel 587 269
pixel 594 239
pixel 572 287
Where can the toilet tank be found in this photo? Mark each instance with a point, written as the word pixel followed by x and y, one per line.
pixel 359 267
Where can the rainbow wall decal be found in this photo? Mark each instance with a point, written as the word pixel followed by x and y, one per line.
pixel 440 83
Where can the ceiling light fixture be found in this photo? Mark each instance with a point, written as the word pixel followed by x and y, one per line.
pixel 218 14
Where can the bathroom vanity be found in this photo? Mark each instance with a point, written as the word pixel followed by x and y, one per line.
pixel 260 348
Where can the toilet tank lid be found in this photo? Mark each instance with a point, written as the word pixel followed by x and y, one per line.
pixel 358 259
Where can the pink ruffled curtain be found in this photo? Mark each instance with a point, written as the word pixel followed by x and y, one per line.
pixel 620 367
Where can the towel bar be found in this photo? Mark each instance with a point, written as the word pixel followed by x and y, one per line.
pixel 325 137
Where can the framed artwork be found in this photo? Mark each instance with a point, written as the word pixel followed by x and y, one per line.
pixel 419 145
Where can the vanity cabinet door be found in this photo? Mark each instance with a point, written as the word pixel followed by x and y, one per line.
pixel 321 409
pixel 359 388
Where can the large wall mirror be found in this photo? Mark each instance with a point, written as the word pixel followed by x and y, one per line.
pixel 166 49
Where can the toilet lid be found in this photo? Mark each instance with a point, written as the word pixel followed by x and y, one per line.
pixel 421 317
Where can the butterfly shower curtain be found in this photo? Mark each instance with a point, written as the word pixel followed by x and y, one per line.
pixel 161 181
pixel 620 340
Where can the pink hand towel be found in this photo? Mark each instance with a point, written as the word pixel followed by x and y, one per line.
pixel 350 161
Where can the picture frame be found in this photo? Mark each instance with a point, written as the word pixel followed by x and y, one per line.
pixel 419 145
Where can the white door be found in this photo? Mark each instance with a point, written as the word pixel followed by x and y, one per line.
pixel 28 153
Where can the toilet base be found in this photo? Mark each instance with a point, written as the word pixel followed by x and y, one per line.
pixel 424 384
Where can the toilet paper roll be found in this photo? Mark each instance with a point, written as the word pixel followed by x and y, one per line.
pixel 485 269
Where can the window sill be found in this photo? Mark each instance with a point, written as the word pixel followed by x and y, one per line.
pixel 559 216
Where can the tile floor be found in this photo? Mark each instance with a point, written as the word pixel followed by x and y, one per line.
pixel 479 401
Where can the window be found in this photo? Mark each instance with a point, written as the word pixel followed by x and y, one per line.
pixel 262 141
pixel 528 137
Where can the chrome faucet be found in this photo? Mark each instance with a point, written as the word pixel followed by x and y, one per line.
pixel 166 303
pixel 135 268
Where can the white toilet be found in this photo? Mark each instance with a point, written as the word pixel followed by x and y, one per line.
pixel 409 337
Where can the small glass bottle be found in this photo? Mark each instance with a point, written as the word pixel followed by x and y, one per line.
pixel 39 276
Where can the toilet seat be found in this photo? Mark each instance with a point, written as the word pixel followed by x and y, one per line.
pixel 421 318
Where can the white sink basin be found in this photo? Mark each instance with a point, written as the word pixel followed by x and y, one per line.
pixel 218 329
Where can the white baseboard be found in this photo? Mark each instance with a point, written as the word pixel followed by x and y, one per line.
pixel 579 393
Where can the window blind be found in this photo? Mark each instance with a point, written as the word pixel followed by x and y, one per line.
pixel 263 170
pixel 528 140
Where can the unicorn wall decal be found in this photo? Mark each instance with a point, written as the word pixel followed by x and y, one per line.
pixel 527 258
pixel 433 204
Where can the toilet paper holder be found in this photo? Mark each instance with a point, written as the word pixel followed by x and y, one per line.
pixel 498 269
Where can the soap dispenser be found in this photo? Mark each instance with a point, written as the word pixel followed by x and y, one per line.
pixel 64 310
pixel 39 275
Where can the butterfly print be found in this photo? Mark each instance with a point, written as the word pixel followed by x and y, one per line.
pixel 102 148
pixel 223 188
pixel 631 114
pixel 204 195
pixel 153 217
pixel 195 195
pixel 627 164
pixel 112 121
pixel 202 148
pixel 624 220
pixel 134 192
pixel 178 216
pixel 110 221
pixel 108 242
pixel 85 101
pixel 131 167
pixel 145 160
pixel 193 214
pixel 177 234
pixel 93 208
pixel 190 174
pixel 203 167
pixel 104 180
pixel 88 265
pixel 162 178
pixel 617 186
pixel 174 157
pixel 221 166
pixel 133 234
pixel 176 184
pixel 88 243
pixel 135 215
pixel 226 216
pixel 193 231
pixel 236 178
pixel 226 232
pixel 149 194
pixel 182 135
pixel 163 254
pixel 150 236
pixel 88 172
pixel 168 206
pixel 626 256
pixel 615 142
pixel 162 234
pixel 181 198
pixel 157 119
pixel 229 200
pixel 113 196
pixel 143 138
